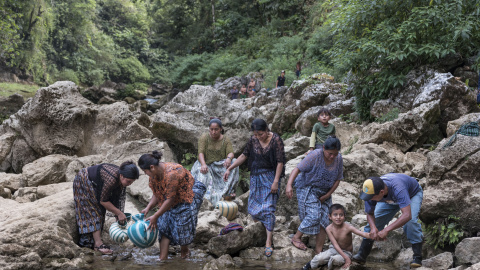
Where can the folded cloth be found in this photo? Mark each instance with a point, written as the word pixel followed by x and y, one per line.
pixel 231 227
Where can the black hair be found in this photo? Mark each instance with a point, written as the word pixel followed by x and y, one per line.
pixel 332 143
pixel 259 125
pixel 129 170
pixel 218 122
pixel 147 160
pixel 378 184
pixel 324 110
pixel 336 206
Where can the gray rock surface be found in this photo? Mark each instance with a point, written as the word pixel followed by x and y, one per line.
pixel 467 251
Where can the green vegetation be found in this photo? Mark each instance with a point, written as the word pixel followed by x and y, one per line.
pixel 389 116
pixel 288 134
pixel 188 160
pixel 370 44
pixel 8 89
pixel 352 141
pixel 445 231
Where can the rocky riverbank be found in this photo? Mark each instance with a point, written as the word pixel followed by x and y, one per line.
pixel 58 132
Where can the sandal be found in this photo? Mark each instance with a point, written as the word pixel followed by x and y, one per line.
pixel 299 244
pixel 103 246
pixel 268 251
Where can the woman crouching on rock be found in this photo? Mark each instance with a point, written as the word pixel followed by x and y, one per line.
pixel 97 189
pixel 178 197
pixel 266 158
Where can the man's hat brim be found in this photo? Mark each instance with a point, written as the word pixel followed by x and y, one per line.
pixel 366 197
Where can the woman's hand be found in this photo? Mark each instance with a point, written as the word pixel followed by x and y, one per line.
pixel 145 211
pixel 274 187
pixel 122 219
pixel 153 222
pixel 227 163
pixel 324 198
pixel 204 169
pixel 289 191
pixel 225 175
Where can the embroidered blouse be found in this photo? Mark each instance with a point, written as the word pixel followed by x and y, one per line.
pixel 214 150
pixel 315 172
pixel 177 183
pixel 265 159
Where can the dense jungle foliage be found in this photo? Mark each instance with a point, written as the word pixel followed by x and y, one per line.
pixel 372 43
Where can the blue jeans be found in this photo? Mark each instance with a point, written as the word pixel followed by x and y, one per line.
pixel 385 212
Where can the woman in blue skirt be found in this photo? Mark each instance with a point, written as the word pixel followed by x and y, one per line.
pixel 266 160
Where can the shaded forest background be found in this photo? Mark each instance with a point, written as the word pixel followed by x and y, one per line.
pixel 372 44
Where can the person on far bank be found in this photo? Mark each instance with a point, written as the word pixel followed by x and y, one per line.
pixel 319 175
pixel 281 79
pixel 243 92
pixel 384 196
pixel 298 69
pixel 321 130
pixel 234 92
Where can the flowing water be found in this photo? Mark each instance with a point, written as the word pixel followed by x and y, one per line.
pixel 136 258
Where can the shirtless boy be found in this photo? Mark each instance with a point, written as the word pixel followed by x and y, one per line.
pixel 340 235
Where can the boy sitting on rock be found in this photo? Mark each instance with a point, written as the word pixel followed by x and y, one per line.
pixel 340 235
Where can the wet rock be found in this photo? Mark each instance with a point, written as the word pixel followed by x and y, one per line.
pixel 287 254
pixel 231 243
pixel 442 261
pixel 209 225
pixel 224 262
pixel 467 251
pixel 46 170
pixel 5 193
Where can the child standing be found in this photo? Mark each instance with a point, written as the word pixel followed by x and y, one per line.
pixel 321 130
pixel 243 92
pixel 234 92
pixel 340 234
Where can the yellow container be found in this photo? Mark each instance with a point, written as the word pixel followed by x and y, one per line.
pixel 227 209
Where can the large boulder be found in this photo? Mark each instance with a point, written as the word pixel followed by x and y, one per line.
pixel 452 183
pixel 10 105
pixel 46 170
pixel 12 181
pixel 295 146
pixel 467 251
pixel 371 159
pixel 424 85
pixel 209 225
pixel 39 234
pixel 301 96
pixel 186 117
pixel 308 118
pixel 410 129
pixel 58 120
pixel 454 125
pixel 442 261
pixel 233 242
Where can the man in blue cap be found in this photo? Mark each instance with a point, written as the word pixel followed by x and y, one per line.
pixel 384 196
